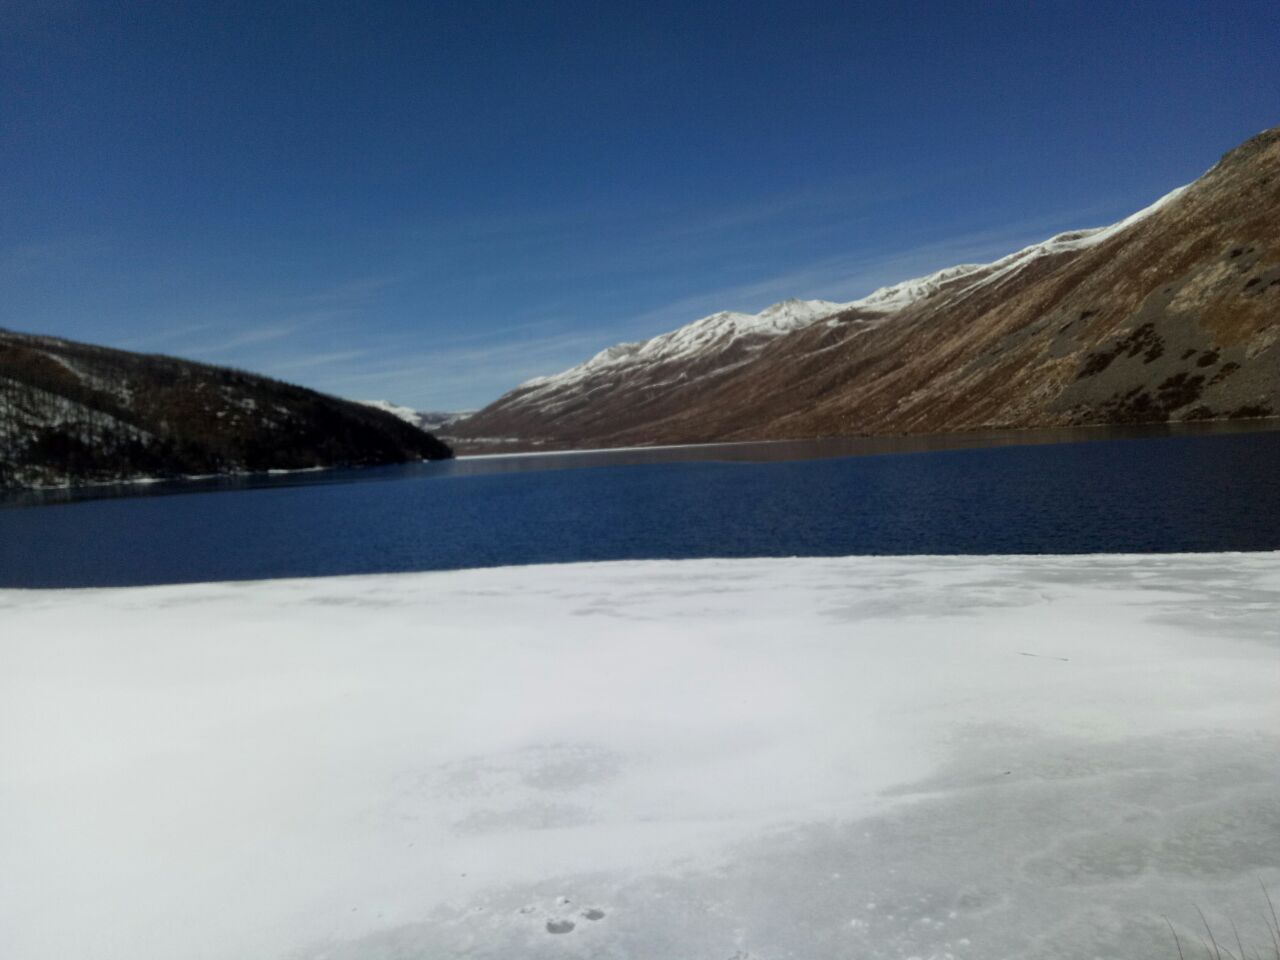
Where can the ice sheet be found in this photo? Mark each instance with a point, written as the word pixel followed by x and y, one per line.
pixel 873 757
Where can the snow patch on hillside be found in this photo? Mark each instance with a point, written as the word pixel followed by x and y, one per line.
pixel 407 414
pixel 422 419
pixel 1068 242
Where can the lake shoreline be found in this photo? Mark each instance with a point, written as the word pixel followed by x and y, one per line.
pixel 1168 494
pixel 472 450
pixel 739 451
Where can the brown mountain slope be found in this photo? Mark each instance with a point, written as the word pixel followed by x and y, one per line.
pixel 73 413
pixel 1175 316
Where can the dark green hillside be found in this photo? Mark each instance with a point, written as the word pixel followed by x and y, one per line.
pixel 76 413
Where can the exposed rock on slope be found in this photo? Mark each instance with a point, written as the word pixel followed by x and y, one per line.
pixel 1171 314
pixel 75 413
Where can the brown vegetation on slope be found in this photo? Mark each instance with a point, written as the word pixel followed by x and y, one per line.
pixel 1176 317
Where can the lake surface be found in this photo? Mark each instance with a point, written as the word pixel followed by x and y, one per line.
pixel 1166 489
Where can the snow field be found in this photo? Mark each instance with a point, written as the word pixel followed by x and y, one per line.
pixel 878 757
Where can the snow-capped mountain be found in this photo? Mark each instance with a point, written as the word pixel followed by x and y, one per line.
pixel 1024 340
pixel 715 334
pixel 722 332
pixel 422 419
pixel 407 414
pixel 715 344
pixel 900 295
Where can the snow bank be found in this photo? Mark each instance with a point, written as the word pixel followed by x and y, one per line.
pixel 814 758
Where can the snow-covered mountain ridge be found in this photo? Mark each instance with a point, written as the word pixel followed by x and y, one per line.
pixel 1168 314
pixel 709 335
pixel 718 332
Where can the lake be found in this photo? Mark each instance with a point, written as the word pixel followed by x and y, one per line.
pixel 1163 489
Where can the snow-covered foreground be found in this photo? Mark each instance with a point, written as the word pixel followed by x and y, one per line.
pixel 868 757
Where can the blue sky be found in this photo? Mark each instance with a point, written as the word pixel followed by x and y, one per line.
pixel 429 202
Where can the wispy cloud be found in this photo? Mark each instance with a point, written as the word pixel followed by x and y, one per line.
pixel 311 361
pixel 454 377
pixel 274 319
pixel 501 334
pixel 248 337
pixel 174 334
pixel 350 292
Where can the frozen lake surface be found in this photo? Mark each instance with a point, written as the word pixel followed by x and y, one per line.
pixel 864 757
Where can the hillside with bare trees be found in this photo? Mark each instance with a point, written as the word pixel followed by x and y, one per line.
pixel 72 413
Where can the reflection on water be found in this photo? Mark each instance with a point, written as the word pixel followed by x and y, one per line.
pixel 827 447
pixel 1190 490
pixel 746 452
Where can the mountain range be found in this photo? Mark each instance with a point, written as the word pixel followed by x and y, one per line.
pixel 1171 314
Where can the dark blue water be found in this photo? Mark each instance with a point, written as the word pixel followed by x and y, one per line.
pixel 1183 493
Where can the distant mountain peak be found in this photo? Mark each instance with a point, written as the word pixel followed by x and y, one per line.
pixel 432 420
pixel 708 336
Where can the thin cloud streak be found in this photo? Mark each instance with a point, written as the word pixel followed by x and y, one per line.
pixel 251 336
pixel 165 336
pixel 454 378
pixel 313 360
pixel 347 293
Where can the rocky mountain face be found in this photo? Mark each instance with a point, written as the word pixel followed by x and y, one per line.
pixel 74 413
pixel 1171 314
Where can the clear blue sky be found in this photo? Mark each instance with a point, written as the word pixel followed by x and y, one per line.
pixel 429 202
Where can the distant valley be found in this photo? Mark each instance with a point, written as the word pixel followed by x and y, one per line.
pixel 432 420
